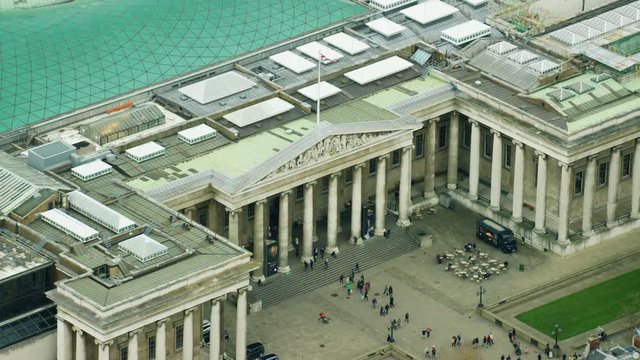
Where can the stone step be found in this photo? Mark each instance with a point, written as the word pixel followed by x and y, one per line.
pixel 373 252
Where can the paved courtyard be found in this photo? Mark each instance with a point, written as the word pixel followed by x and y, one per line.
pixel 433 297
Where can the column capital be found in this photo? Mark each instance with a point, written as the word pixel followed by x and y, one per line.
pixel 433 120
pixel 77 330
pixel 473 122
pixel 359 166
pixel 383 157
pixel 133 333
pixel 564 165
pixel 335 175
pixel 406 148
pixel 243 290
pixel 103 343
pixel 495 132
pixel 591 158
pixel 233 211
pixel 517 143
pixel 616 148
pixel 189 311
pixel 310 184
pixel 162 322
pixel 218 299
pixel 454 113
pixel 261 202
pixel 286 193
pixel 540 154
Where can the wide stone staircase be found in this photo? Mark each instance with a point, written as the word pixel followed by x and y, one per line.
pixel 372 252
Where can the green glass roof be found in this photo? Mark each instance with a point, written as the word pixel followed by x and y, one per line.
pixel 59 58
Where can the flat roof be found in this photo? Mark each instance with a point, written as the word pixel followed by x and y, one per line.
pixel 292 61
pixel 145 149
pixel 69 223
pixel 469 28
pixel 260 111
pixel 429 11
pixel 314 49
pixel 378 70
pixel 91 168
pixel 66 72
pixel 197 131
pixel 385 27
pixel 217 87
pixel 16 258
pixel 346 43
pixel 326 89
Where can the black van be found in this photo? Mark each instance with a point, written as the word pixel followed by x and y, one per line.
pixel 497 235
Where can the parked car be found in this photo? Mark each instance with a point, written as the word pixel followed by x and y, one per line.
pixel 255 350
pixel 497 235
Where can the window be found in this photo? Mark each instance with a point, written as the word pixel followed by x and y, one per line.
pixel 348 176
pixel 124 353
pixel 488 145
pixel 419 140
pixel 466 135
pixel 300 192
pixel 506 154
pixel 324 185
pixel 251 210
pixel 395 158
pixel 578 186
pixel 373 165
pixel 442 136
pixel 602 173
pixel 179 336
pixel 626 165
pixel 151 342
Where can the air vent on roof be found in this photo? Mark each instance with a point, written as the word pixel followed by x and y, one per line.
pixel 561 94
pixel 222 103
pixel 580 87
pixel 600 78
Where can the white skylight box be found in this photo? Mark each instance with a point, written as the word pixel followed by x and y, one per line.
pixel 260 111
pixel 91 170
pixel 523 57
pixel 145 151
pixel 378 70
pixel 475 2
pixel 326 90
pixel 197 134
pixel 69 225
pixel 99 212
pixel 543 66
pixel 386 5
pixel 567 37
pixel 465 32
pixel 292 61
pixel 501 48
pixel 346 43
pixel 314 49
pixel 217 87
pixel 385 27
pixel 143 248
pixel 429 11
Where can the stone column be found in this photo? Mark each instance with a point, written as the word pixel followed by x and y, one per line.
pixel 103 349
pixel 474 160
pixel 405 187
pixel 332 215
pixel 518 183
pixel 132 352
pixel 612 193
pixel 214 335
pixel 234 225
pixel 307 226
pixel 258 239
pixel 190 212
pixel 381 194
pixel 635 185
pixel 541 194
pixel 81 346
pixel 211 215
pixel 563 206
pixel 283 233
pixel 64 340
pixel 356 204
pixel 161 339
pixel 587 196
pixel 452 162
pixel 241 325
pixel 496 171
pixel 430 160
pixel 187 345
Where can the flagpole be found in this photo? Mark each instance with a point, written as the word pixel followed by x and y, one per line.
pixel 318 91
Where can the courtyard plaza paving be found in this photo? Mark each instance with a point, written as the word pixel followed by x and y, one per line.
pixel 433 297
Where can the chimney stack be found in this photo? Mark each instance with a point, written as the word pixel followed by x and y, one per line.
pixel 594 343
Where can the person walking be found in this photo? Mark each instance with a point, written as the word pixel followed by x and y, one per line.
pixel 342 279
pixel 433 351
pixel 391 304
pixel 326 264
pixel 349 288
pixel 427 351
pixel 406 317
pixel 386 309
pixel 311 263
pixel 357 267
pixel 374 302
pixel 390 290
pixel 428 332
pixel 306 265
pixel 386 290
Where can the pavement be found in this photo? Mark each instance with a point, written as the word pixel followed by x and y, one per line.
pixel 433 297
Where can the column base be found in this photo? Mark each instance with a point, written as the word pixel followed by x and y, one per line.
pixel 429 195
pixel 541 231
pixel 452 186
pixel 353 239
pixel 379 232
pixel 494 208
pixel 612 224
pixel 588 233
pixel 564 242
pixel 359 241
pixel 473 197
pixel 403 223
pixel 259 278
pixel 329 250
pixel 635 215
pixel 306 258
pixel 516 220
pixel 283 269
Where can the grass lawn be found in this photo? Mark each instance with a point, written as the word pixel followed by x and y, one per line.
pixel 586 309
